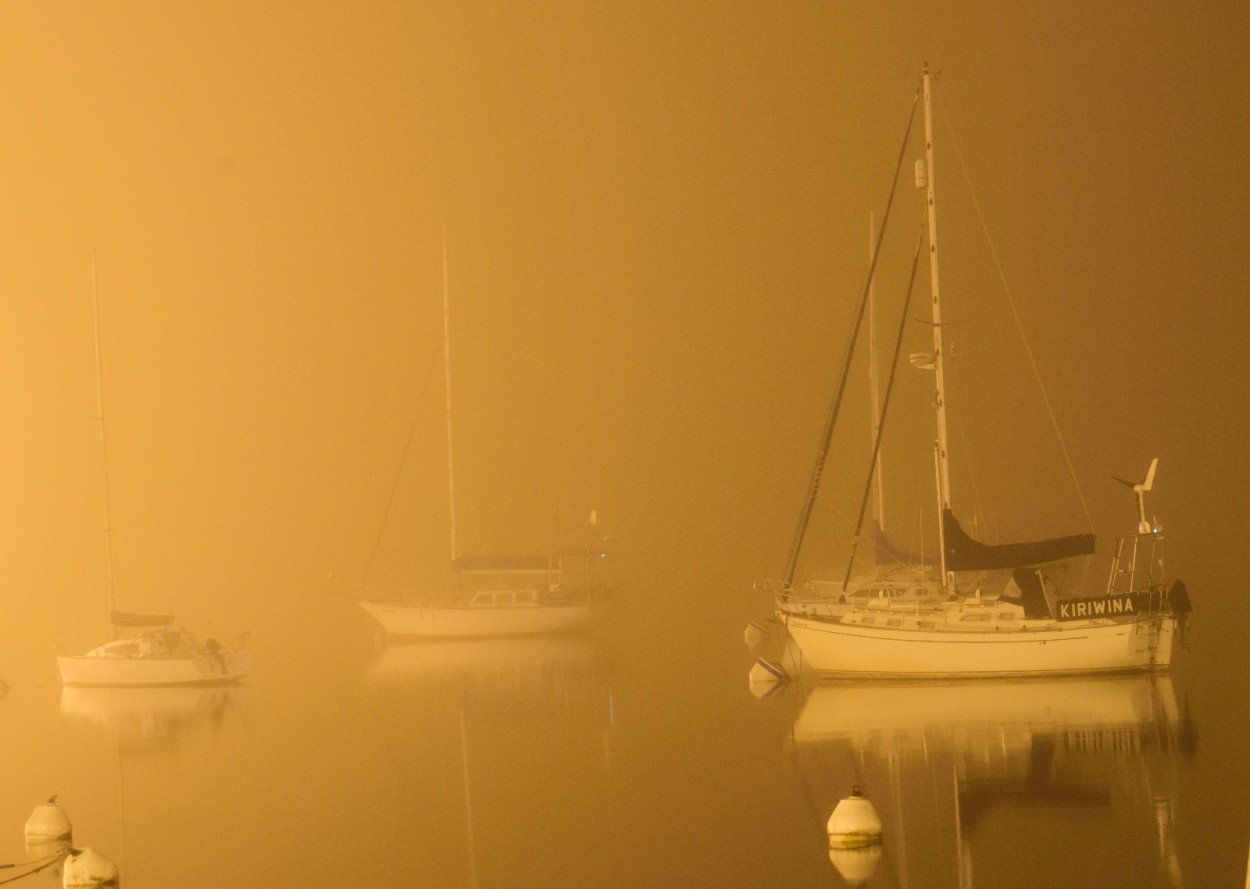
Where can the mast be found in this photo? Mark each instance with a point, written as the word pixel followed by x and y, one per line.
pixel 878 481
pixel 99 407
pixel 451 471
pixel 943 465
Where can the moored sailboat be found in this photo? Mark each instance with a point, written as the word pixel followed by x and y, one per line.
pixel 949 626
pixel 494 595
pixel 156 654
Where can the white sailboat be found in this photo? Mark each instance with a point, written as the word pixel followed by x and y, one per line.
pixel 1022 629
pixel 156 654
pixel 494 595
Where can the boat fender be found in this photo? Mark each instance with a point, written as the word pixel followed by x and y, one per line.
pixel 754 635
pixel 854 823
pixel 766 671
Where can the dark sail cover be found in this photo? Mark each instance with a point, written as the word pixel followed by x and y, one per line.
pixel 503 564
pixel 130 619
pixel 965 554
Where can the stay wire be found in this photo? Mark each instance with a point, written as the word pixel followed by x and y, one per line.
pixel 403 460
pixel 885 404
pixel 809 503
pixel 1015 313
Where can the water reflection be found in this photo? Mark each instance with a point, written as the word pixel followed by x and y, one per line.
pixel 1028 782
pixel 156 717
pixel 498 746
pixel 530 666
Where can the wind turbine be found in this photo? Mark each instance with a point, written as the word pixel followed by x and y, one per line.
pixel 1140 489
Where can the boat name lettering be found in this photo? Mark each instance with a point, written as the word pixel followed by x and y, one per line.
pixel 1103 606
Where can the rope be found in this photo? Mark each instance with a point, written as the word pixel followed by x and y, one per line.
pixel 885 405
pixel 42 864
pixel 1028 351
pixel 809 503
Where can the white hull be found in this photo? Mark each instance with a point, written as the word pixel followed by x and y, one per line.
pixel 1046 648
pixel 423 621
pixel 199 669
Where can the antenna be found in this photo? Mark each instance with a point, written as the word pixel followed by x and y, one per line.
pixel 1140 489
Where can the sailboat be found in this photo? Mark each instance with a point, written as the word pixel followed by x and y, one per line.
pixel 154 653
pixel 1022 629
pixel 495 595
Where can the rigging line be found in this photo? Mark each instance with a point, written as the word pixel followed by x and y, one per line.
pixel 403 459
pixel 1015 313
pixel 809 503
pixel 885 403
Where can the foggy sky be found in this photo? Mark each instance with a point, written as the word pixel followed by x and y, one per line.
pixel 656 221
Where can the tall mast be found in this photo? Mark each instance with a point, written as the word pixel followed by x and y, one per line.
pixel 451 471
pixel 99 409
pixel 943 466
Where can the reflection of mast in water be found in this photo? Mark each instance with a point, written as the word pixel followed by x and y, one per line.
pixel 1010 748
pixel 533 706
pixel 144 720
pixel 468 800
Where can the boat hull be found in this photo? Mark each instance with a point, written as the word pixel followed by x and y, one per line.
pixel 840 649
pixel 425 622
pixel 200 669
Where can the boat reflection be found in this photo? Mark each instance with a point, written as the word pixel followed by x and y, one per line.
pixel 519 663
pixel 154 717
pixel 475 729
pixel 1037 782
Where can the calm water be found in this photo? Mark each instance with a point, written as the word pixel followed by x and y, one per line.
pixel 634 757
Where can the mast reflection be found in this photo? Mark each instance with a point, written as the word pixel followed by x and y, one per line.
pixel 1003 782
pixel 478 731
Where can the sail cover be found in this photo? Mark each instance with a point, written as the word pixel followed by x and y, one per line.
pixel 130 619
pixel 503 564
pixel 965 554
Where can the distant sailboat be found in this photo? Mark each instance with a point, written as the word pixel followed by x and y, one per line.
pixel 495 595
pixel 157 654
pixel 959 632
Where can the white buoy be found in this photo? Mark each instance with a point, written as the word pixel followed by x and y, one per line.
pixel 88 868
pixel 856 866
pixel 48 822
pixel 854 823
